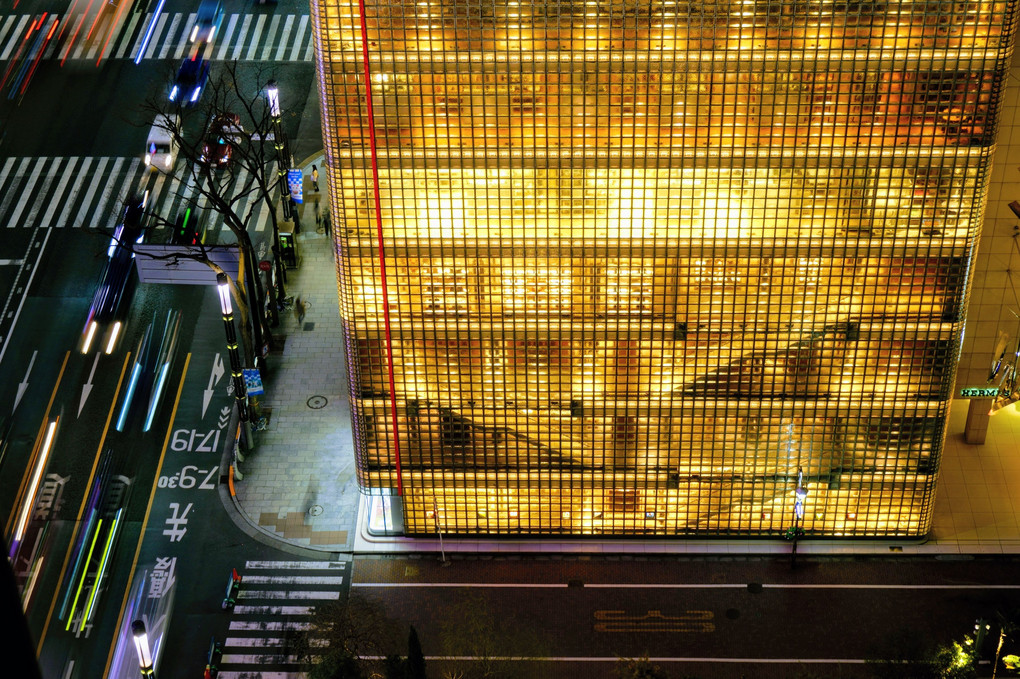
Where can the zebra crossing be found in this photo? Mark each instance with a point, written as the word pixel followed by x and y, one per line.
pixel 245 37
pixel 89 192
pixel 276 601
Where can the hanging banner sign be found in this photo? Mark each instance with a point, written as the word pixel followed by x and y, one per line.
pixel 295 180
pixel 253 381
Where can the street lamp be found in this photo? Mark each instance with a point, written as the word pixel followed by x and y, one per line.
pixel 273 92
pixel 282 159
pixel 282 164
pixel 142 646
pixel 240 392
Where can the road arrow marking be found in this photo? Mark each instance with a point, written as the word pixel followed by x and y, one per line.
pixel 23 385
pixel 224 417
pixel 86 388
pixel 214 378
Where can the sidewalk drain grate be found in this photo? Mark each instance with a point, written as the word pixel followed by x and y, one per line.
pixel 308 327
pixel 316 402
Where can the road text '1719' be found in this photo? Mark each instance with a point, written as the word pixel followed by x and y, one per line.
pixel 193 440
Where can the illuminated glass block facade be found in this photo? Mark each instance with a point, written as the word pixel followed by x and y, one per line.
pixel 622 268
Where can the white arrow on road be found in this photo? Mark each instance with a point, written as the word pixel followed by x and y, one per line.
pixel 23 385
pixel 86 388
pixel 214 378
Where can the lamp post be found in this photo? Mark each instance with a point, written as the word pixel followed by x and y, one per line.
pixel 142 646
pixel 800 495
pixel 240 392
pixel 280 142
pixel 282 165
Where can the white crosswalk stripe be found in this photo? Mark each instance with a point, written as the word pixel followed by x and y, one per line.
pixel 283 39
pixel 276 600
pixel 88 192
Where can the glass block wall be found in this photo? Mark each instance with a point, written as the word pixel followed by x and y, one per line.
pixel 626 268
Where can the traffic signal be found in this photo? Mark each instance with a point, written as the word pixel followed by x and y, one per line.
pixel 184 232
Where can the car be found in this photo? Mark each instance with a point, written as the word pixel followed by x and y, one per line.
pixel 150 370
pixel 210 14
pixel 190 81
pixel 222 135
pixel 113 295
pixel 161 145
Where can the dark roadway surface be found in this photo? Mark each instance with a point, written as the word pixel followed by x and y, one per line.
pixel 81 110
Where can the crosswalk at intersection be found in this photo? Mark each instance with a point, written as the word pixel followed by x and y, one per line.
pixel 276 601
pixel 89 192
pixel 247 37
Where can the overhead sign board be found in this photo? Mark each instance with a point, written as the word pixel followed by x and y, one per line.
pixel 183 264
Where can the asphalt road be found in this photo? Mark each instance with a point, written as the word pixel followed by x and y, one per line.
pixel 173 527
pixel 696 618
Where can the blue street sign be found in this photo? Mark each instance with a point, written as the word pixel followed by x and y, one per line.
pixel 295 181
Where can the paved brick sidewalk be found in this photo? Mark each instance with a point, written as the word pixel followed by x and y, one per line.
pixel 299 485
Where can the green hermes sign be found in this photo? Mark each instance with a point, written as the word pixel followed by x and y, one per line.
pixel 979 392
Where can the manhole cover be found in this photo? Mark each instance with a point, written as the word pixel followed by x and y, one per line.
pixel 315 510
pixel 316 402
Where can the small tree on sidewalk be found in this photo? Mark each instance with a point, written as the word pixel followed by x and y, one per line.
pixel 235 190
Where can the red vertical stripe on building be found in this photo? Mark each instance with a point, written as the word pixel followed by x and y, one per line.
pixel 381 246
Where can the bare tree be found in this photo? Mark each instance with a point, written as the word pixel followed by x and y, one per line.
pixel 234 118
pixel 342 634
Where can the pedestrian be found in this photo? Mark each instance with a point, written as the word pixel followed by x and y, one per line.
pixel 318 217
pixel 315 179
pixel 299 310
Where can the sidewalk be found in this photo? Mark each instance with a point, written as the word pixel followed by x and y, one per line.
pixel 300 488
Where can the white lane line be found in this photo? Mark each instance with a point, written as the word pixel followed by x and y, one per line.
pixel 11 262
pixel 170 36
pixel 311 565
pixel 240 37
pixel 156 36
pixel 293 579
pixel 6 170
pixel 125 44
pixel 288 25
pixel 295 53
pixel 7 27
pixel 261 674
pixel 225 40
pixel 9 191
pixel 101 207
pixel 28 286
pixel 137 44
pixel 271 626
pixel 256 36
pixel 673 659
pixel 236 659
pixel 270 38
pixel 12 221
pixel 98 176
pixel 184 46
pixel 58 195
pixel 261 218
pixel 15 38
pixel 271 610
pixel 587 585
pixel 267 642
pixel 273 594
